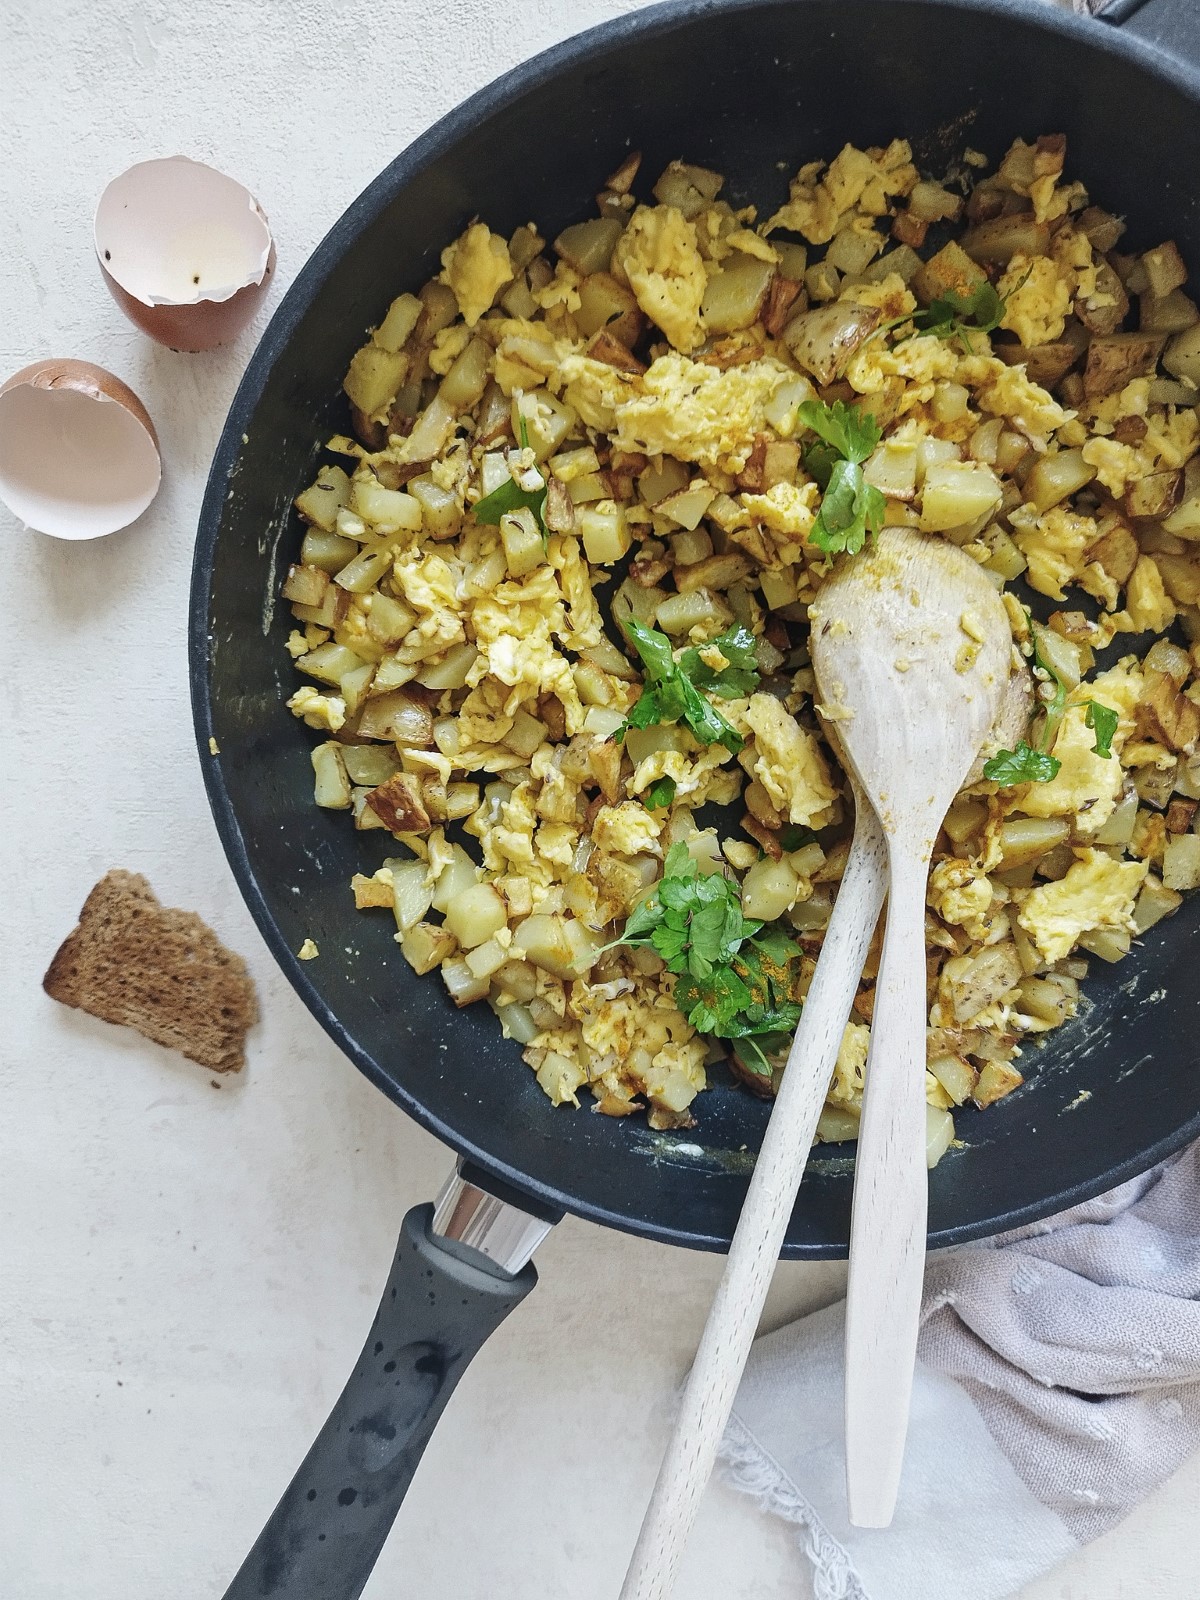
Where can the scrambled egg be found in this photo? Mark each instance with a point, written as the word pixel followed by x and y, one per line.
pixel 471 686
pixel 678 407
pixel 476 267
pixel 659 256
pixel 787 760
pixel 1096 893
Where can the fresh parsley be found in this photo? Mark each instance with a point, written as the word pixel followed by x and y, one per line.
pixel 850 506
pixel 956 316
pixel 1103 722
pixel 672 689
pixel 511 497
pixel 659 794
pixel 1026 764
pixel 732 979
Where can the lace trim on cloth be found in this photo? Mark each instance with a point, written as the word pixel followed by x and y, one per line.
pixel 747 1467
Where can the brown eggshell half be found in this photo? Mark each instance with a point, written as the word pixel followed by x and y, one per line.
pixel 79 455
pixel 185 250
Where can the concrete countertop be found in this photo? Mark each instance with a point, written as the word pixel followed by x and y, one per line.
pixel 189 1271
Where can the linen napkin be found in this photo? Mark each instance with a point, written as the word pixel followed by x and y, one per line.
pixel 1057 1384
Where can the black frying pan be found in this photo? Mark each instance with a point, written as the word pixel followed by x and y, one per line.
pixel 739 85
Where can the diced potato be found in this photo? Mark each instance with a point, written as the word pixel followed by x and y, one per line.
pixel 458 875
pixel 769 889
pixel 486 959
pixel 1115 359
pixel 734 294
pixel 588 246
pixel 366 569
pixel 853 249
pixel 1026 839
pixel 1165 269
pixel 951 268
pixel 374 376
pixel 475 915
pixel 328 551
pixel 329 663
pixel 697 608
pixel 1154 903
pixel 998 241
pixel 1181 862
pixel 689 188
pixel 932 203
pixel 956 1075
pixel 717 573
pixel 524 546
pixel 606 304
pixel 324 498
pixel 957 492
pixel 412 894
pixel 398 716
pixel 1110 944
pixel 402 316
pixel 559 945
pixel 939 1135
pixel 1057 476
pixel 452 670
pixel 823 340
pixel 1174 313
pixel 371 764
pixel 467 378
pixel 389 619
pixel 974 982
pixel 426 946
pixel 525 735
pixel 996 1079
pixel 331 788
pixel 892 469
pixel 1154 497
pixel 1181 357
pixel 464 987
pixel 441 510
pixel 837 1124
pixel 1050 1000
pixel 399 804
pixel 604 531
pixel 389 510
pixel 306 586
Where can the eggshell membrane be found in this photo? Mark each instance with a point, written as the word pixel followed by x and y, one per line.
pixel 185 251
pixel 78 452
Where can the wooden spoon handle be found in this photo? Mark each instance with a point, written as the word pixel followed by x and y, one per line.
pixel 725 1343
pixel 891 1202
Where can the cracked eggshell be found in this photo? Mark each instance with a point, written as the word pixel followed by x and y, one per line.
pixel 78 452
pixel 185 251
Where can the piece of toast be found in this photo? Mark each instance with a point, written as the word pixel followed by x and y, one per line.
pixel 163 972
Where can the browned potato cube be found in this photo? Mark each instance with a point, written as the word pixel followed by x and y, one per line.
pixel 950 268
pixel 398 803
pixel 1114 359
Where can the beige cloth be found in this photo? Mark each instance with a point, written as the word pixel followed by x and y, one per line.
pixel 1058 1384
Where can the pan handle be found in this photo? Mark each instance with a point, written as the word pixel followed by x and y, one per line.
pixel 1172 26
pixel 457 1273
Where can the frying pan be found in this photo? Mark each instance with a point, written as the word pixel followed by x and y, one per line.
pixel 739 85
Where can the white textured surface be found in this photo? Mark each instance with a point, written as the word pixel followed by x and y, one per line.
pixel 188 1274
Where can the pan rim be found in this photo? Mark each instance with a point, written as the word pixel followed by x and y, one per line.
pixel 428 147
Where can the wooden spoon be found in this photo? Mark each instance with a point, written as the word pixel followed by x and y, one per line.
pixel 911 647
pixel 729 1332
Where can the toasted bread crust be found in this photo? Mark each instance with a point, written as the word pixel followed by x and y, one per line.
pixel 143 965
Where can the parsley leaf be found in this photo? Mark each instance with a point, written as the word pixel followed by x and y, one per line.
pixel 732 979
pixel 740 678
pixel 1103 721
pixel 511 497
pixel 1022 765
pixel 670 694
pixel 850 506
pixel 659 794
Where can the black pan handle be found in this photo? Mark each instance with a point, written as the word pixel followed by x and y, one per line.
pixel 1172 26
pixel 441 1302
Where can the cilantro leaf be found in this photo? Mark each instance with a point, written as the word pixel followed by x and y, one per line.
pixel 795 838
pixel 850 506
pixel 669 694
pixel 740 678
pixel 1103 721
pixel 732 979
pixel 850 509
pixel 956 316
pixel 511 497
pixel 1022 765
pixel 851 434
pixel 659 794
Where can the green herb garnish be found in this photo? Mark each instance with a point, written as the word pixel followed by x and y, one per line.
pixel 732 980
pixel 1022 765
pixel 659 794
pixel 850 506
pixel 957 316
pixel 671 692
pixel 511 497
pixel 1028 765
pixel 1103 721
